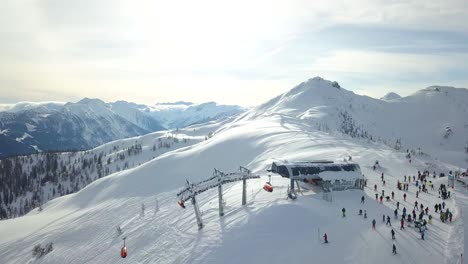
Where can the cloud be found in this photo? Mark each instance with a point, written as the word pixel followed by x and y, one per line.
pixel 64 49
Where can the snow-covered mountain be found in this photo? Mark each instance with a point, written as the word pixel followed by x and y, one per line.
pixel 314 121
pixel 391 96
pixel 22 106
pixel 182 114
pixel 30 127
pixel 433 120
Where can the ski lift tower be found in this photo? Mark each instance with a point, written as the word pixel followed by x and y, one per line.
pixel 217 180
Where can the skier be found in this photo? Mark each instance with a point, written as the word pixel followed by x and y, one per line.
pixel 430 219
pixel 383 192
pixel 416 205
pixel 375 187
pixel 393 195
pixel 404 197
pixel 397 205
pixel 427 210
pixel 394 249
pixel 402 223
pixel 443 205
pixel 360 211
pixel 376 196
pixel 344 212
pixel 362 199
pixel 388 221
pixel 381 176
pixel 404 211
pixel 417 193
pixel 393 234
pixel 422 233
pixel 383 218
pixel 384 183
pixel 373 224
pixel 395 213
pixel 365 214
pixel 325 238
pixel 381 198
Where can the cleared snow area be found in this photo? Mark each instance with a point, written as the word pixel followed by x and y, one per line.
pixel 269 229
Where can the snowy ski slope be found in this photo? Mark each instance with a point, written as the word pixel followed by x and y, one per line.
pixel 269 229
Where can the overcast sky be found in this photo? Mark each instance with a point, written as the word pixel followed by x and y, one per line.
pixel 234 52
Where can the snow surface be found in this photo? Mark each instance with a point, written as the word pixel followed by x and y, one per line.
pixel 270 228
pixel 22 106
pixel 25 136
pixel 391 96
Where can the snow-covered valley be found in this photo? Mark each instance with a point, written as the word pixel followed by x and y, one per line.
pixel 298 125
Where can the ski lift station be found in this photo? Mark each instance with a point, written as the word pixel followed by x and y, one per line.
pixel 331 176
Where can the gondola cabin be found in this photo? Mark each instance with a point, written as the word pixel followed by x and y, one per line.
pixel 328 174
pixel 123 252
pixel 181 203
pixel 268 187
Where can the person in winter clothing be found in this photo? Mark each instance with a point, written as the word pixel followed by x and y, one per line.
pixel 344 212
pixel 416 205
pixel 397 205
pixel 430 219
pixel 394 249
pixel 417 193
pixel 383 218
pixel 365 214
pixel 404 197
pixel 381 198
pixel 362 199
pixel 427 210
pixel 395 213
pixel 360 211
pixel 376 196
pixel 393 195
pixel 375 187
pixel 402 223
pixel 422 233
pixel 393 234
pixel 325 238
pixel 373 224
pixel 450 217
pixel 388 221
pixel 443 205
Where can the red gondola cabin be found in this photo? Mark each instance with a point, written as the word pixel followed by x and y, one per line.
pixel 267 187
pixel 181 204
pixel 123 252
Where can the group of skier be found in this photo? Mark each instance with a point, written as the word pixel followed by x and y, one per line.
pixel 420 222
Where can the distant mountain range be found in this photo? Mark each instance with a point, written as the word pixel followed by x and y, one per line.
pixel 29 127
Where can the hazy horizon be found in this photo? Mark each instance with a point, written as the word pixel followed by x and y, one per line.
pixel 240 52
